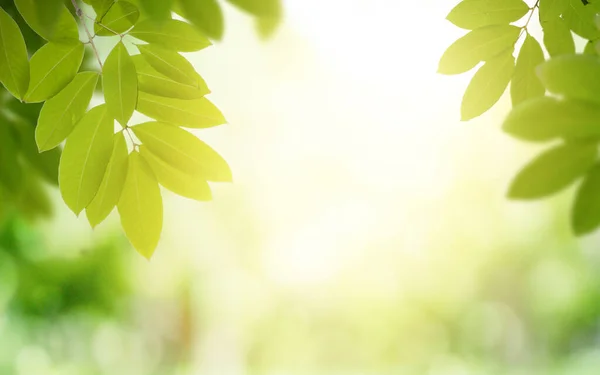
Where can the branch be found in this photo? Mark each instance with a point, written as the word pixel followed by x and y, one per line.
pixel 81 16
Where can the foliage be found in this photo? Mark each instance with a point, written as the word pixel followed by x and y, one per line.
pixel 49 85
pixel 553 100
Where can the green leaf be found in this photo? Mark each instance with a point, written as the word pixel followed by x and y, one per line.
pixel 184 151
pixel 585 214
pixel 60 114
pixel 478 45
pixel 171 34
pixel 14 62
pixel 553 171
pixel 487 86
pixel 85 157
pixel 33 201
pixel 45 163
pixel 196 113
pixel 157 10
pixel 546 118
pixel 206 15
pixel 119 81
pixel 140 206
pixel 171 64
pixel 11 175
pixel 112 184
pixel 552 9
pixel 590 48
pixel 175 180
pixel 101 6
pixel 65 28
pixel 473 14
pixel 120 17
pixel 266 26
pixel 267 8
pixel 558 39
pixel 155 83
pixel 580 19
pixel 525 83
pixel 52 68
pixel 573 76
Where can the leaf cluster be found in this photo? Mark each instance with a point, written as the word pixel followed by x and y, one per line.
pixel 98 158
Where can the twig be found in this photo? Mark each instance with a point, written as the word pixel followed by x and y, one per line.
pixel 81 16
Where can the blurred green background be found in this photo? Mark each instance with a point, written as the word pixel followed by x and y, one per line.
pixel 367 231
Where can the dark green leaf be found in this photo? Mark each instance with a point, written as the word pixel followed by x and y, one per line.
pixel 487 86
pixel 14 62
pixel 119 81
pixel 585 215
pixel 546 118
pixel 10 171
pixel 525 83
pixel 52 68
pixel 473 14
pixel 45 163
pixel 119 18
pixel 553 171
pixel 171 34
pixel 196 113
pixel 478 45
pixel 574 76
pixel 558 39
pixel 206 15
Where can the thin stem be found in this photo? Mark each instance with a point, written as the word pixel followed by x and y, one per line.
pixel 532 10
pixel 127 130
pixel 81 16
pixel 104 27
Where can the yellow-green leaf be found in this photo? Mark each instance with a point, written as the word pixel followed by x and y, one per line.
pixel 558 39
pixel 120 17
pixel 184 151
pixel 580 18
pixel 14 62
pixel 196 113
pixel 585 214
pixel 525 83
pixel 553 171
pixel 552 9
pixel 157 11
pixel 112 184
pixel 263 8
pixel 155 83
pixel 65 28
pixel 100 6
pixel 175 180
pixel 487 86
pixel 473 14
pixel 171 64
pixel 206 15
pixel 85 157
pixel 119 81
pixel 10 170
pixel 573 76
pixel 546 118
pixel 171 34
pixel 52 67
pixel 478 45
pixel 140 206
pixel 60 113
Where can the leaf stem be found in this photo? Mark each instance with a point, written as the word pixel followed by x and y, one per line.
pixel 81 16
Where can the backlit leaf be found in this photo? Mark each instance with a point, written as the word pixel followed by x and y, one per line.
pixel 574 76
pixel 478 45
pixel 171 64
pixel 590 48
pixel 85 157
pixel 157 10
pixel 171 34
pixel 552 9
pixel 266 26
pixel 553 171
pixel 196 113
pixel 525 83
pixel 14 62
pixel 585 214
pixel 52 67
pixel 580 19
pixel 206 15
pixel 546 118
pixel 60 113
pixel 558 39
pixel 155 83
pixel 473 14
pixel 120 17
pixel 183 150
pixel 264 8
pixel 112 184
pixel 175 180
pixel 63 29
pixel 487 86
pixel 101 6
pixel 119 81
pixel 140 206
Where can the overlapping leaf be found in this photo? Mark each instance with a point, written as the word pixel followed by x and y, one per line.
pixel 120 17
pixel 119 81
pixel 171 34
pixel 572 76
pixel 196 113
pixel 206 15
pixel 62 28
pixel 525 83
pixel 473 14
pixel 14 63
pixel 585 214
pixel 558 39
pixel 171 64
